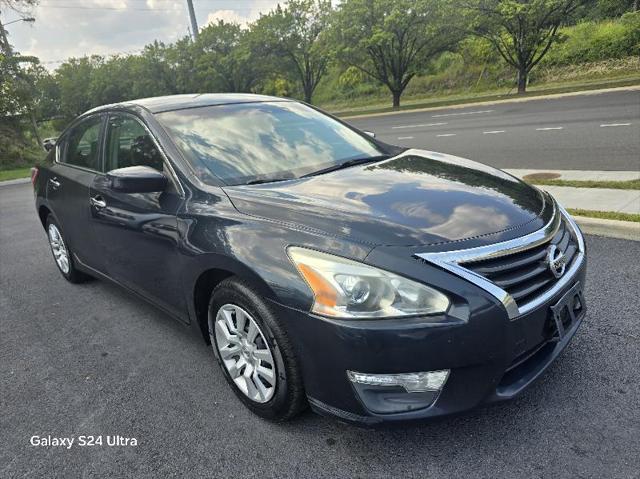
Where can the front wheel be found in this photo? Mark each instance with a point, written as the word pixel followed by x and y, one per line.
pixel 254 352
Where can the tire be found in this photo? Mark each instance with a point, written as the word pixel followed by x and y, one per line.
pixel 59 248
pixel 231 300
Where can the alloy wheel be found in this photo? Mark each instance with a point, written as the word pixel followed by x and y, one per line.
pixel 245 353
pixel 60 252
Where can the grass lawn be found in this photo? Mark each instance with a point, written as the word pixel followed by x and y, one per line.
pixel 618 185
pixel 607 215
pixel 15 174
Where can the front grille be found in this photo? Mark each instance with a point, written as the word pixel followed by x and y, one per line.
pixel 526 274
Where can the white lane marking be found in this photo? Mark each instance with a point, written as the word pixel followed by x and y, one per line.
pixel 418 126
pixel 447 134
pixel 463 113
pixel 492 132
pixel 405 138
pixel 550 128
pixel 605 125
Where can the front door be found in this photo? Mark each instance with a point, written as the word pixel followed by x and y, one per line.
pixel 138 232
pixel 75 169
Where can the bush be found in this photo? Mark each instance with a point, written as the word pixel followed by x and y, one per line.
pixel 17 148
pixel 591 41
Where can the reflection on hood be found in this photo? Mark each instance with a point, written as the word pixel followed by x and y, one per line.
pixel 415 198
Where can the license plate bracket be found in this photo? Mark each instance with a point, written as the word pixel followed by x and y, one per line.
pixel 570 308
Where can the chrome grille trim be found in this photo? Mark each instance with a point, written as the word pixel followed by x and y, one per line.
pixel 450 261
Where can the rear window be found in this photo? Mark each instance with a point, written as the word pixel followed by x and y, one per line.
pixel 82 144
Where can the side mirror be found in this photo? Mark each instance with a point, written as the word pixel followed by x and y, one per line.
pixel 370 133
pixel 137 179
pixel 49 143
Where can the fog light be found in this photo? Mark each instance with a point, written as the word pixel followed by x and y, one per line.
pixel 411 382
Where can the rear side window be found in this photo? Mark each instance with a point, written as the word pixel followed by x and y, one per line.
pixel 83 145
pixel 129 144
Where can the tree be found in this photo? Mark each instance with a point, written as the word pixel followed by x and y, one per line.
pixel 393 40
pixel 46 100
pixel 297 36
pixel 224 60
pixel 153 72
pixel 522 31
pixel 16 85
pixel 74 78
pixel 182 57
pixel 114 80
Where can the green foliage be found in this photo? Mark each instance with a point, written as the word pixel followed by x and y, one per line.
pixel 593 41
pixel 522 32
pixel 74 78
pixel 604 9
pixel 278 86
pixel 225 61
pixel 17 90
pixel 296 40
pixel 393 40
pixel 17 145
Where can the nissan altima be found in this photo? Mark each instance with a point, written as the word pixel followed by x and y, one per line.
pixel 325 267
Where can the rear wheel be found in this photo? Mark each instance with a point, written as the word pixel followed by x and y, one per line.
pixel 254 352
pixel 62 254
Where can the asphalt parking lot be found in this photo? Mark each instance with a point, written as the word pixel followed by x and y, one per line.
pixel 91 360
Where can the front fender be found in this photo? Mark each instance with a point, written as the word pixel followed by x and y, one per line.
pixel 254 250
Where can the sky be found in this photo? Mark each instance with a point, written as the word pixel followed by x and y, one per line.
pixel 74 28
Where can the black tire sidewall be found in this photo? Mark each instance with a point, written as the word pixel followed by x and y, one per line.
pixel 238 293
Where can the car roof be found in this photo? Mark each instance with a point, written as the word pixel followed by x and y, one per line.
pixel 159 104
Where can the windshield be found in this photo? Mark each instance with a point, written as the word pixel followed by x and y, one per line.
pixel 245 142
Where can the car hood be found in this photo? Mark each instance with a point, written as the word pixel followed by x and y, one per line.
pixel 416 198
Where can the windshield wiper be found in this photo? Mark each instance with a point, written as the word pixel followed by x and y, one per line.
pixel 348 164
pixel 259 181
pixel 340 166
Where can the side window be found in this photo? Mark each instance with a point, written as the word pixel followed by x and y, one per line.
pixel 83 146
pixel 129 144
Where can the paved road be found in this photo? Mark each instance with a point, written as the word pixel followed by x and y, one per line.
pixel 584 132
pixel 90 359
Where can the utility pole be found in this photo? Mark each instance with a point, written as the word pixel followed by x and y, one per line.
pixel 192 17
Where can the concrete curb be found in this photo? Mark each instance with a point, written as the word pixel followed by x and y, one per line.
pixel 551 96
pixel 18 181
pixel 627 230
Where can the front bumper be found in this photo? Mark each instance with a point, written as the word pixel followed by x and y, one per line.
pixel 490 357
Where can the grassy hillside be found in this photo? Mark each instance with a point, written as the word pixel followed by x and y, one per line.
pixel 588 53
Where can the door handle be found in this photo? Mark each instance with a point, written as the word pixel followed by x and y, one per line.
pixel 54 183
pixel 98 202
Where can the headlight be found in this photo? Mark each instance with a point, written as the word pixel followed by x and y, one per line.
pixel 347 289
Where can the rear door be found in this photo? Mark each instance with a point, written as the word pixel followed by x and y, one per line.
pixel 137 232
pixel 77 163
